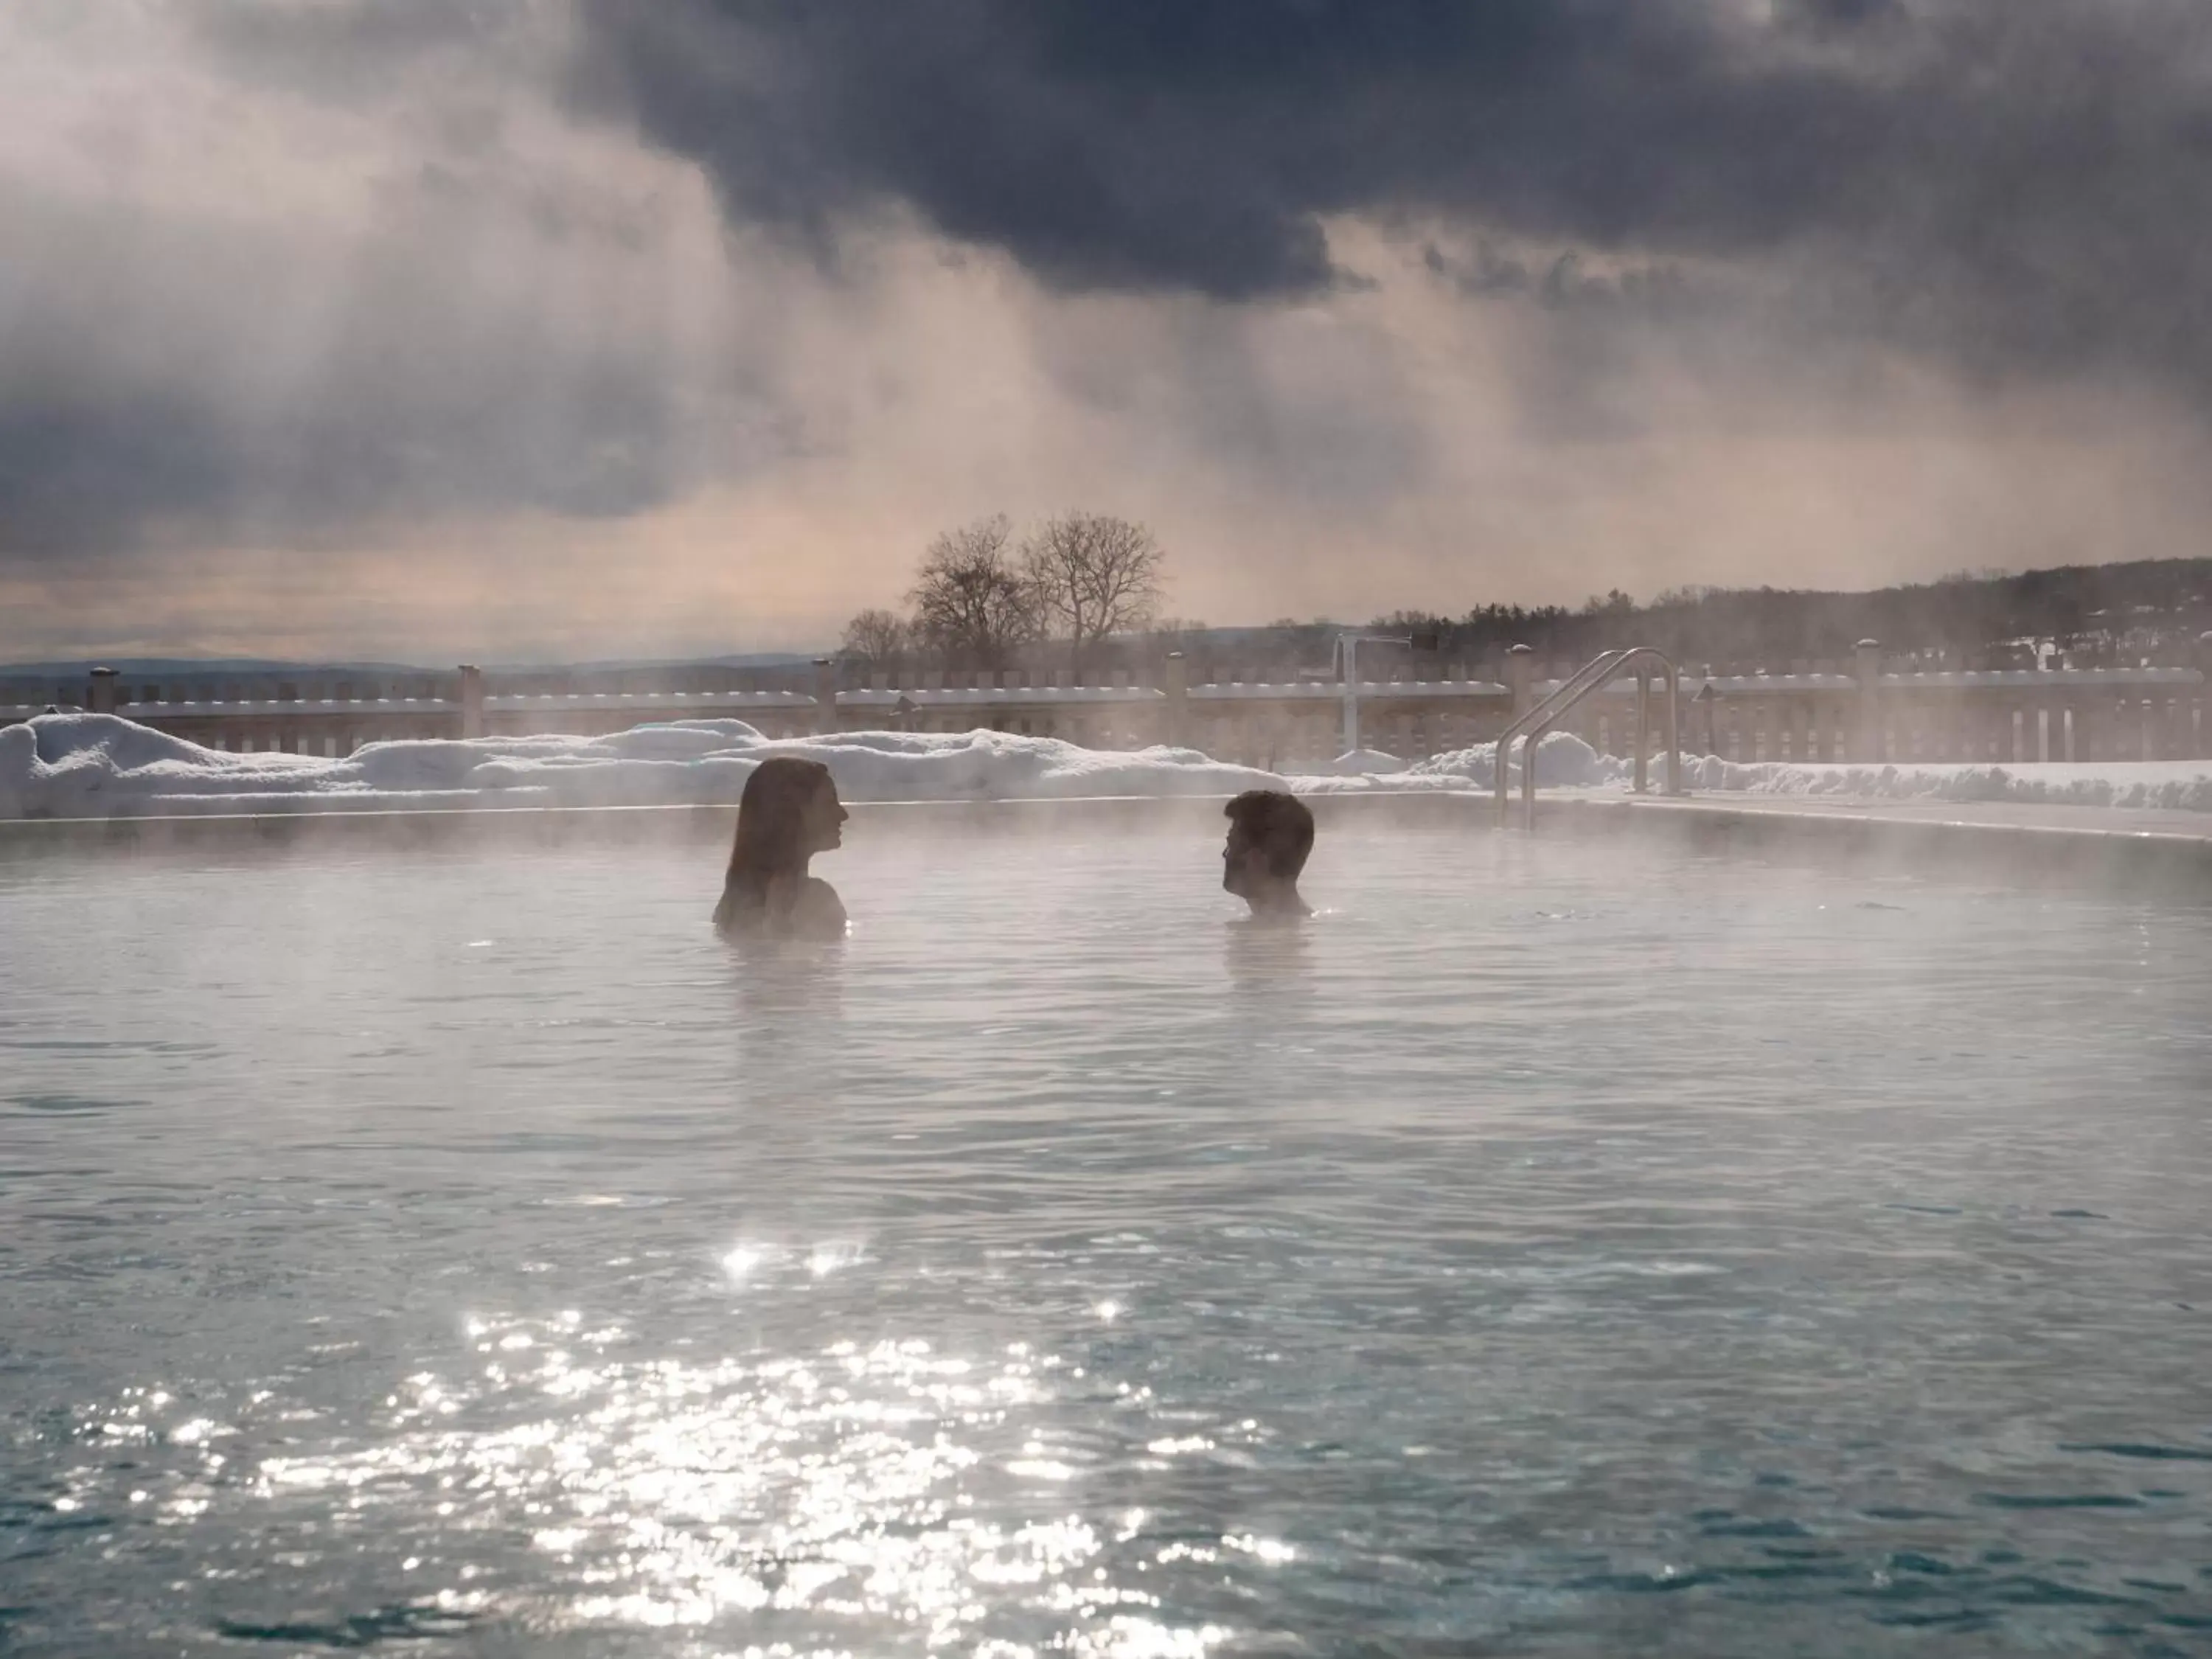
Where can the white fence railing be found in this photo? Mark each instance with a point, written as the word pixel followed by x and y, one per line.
pixel 1812 713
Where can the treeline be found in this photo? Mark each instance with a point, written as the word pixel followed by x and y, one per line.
pixel 1082 592
pixel 2090 615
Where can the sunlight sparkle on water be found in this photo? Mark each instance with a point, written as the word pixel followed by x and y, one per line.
pixel 451 1312
pixel 675 1492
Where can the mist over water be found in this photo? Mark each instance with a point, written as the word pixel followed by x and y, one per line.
pixel 1548 1247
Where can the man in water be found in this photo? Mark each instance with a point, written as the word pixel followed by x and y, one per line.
pixel 1270 834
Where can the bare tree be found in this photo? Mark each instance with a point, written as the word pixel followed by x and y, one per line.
pixel 877 636
pixel 970 602
pixel 1094 574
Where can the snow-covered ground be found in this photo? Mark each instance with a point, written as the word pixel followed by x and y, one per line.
pixel 81 765
pixel 2176 786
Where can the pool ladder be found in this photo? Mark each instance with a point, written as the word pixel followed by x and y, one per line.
pixel 1597 675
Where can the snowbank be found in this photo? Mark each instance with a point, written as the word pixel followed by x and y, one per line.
pixel 1363 763
pixel 1563 760
pixel 1566 762
pixel 80 765
pixel 2174 786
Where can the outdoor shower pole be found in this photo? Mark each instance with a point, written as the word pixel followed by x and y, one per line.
pixel 1347 651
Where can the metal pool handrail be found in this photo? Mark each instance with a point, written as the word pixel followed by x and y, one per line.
pixel 1596 675
pixel 1599 668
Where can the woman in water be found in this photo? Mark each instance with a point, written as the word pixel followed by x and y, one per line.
pixel 789 812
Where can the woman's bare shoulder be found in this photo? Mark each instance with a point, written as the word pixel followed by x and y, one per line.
pixel 817 910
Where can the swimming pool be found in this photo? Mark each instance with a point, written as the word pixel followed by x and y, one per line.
pixel 1554 1247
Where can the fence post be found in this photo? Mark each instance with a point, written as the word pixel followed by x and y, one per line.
pixel 1869 745
pixel 1643 727
pixel 825 694
pixel 1519 662
pixel 2203 701
pixel 472 701
pixel 1177 687
pixel 101 698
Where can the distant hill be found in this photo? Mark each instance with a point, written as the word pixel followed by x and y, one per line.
pixel 631 664
pixel 160 667
pixel 137 666
pixel 2144 611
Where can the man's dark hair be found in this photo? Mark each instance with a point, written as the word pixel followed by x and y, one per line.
pixel 1281 825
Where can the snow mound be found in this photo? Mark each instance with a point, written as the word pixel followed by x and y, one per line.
pixel 1566 762
pixel 1563 760
pixel 1363 763
pixel 81 765
pixel 2170 786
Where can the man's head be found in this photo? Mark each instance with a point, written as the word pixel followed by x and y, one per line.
pixel 1270 834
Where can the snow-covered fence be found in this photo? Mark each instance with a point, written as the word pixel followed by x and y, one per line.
pixel 1857 711
pixel 335 714
pixel 2008 716
pixel 1269 723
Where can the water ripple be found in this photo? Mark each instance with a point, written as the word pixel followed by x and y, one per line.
pixel 1542 1252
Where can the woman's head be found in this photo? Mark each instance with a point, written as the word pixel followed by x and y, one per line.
pixel 789 812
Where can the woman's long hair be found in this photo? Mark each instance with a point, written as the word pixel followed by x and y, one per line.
pixel 771 826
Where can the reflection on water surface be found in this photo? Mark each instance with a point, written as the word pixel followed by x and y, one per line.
pixel 1541 1249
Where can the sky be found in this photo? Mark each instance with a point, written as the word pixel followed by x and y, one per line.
pixel 512 330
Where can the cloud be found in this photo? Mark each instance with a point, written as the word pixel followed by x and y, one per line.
pixel 598 327
pixel 2015 185
pixel 234 307
pixel 352 49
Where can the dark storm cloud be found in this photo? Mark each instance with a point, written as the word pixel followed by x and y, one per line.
pixel 448 325
pixel 2016 186
pixel 142 355
pixel 353 48
pixel 1658 290
pixel 85 474
pixel 370 31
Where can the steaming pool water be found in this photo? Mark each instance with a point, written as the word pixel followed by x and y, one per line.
pixel 1552 1248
